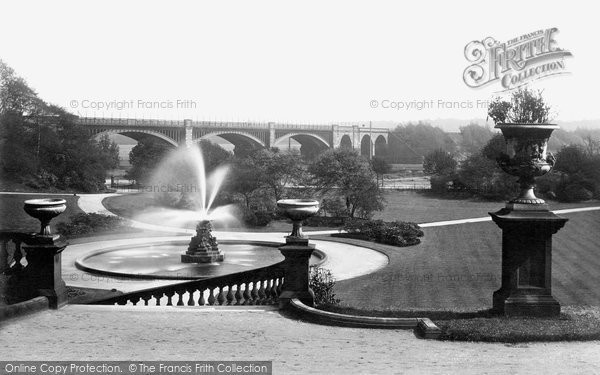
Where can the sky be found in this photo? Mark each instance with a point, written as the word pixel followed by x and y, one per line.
pixel 309 62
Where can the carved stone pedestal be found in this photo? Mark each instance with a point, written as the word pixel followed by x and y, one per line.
pixel 43 274
pixel 527 261
pixel 297 253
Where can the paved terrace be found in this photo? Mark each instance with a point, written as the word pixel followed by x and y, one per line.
pixel 295 347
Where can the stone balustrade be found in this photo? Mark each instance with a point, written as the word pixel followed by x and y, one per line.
pixel 260 286
pixel 30 266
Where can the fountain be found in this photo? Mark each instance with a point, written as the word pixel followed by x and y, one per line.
pixel 183 172
pixel 185 169
pixel 203 246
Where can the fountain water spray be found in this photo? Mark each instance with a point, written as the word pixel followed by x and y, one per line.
pixel 183 173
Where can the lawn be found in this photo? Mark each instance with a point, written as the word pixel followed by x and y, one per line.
pixel 459 267
pixel 423 207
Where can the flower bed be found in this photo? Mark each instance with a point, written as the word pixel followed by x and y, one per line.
pixel 397 233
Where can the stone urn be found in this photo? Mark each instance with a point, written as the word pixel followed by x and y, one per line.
pixel 297 252
pixel 298 210
pixel 45 210
pixel 527 157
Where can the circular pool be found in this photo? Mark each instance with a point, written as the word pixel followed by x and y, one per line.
pixel 162 260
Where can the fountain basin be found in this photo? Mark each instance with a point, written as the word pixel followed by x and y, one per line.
pixel 162 260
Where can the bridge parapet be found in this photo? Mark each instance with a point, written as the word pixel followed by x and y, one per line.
pixel 107 121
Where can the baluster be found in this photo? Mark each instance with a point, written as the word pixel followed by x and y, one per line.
pixel 274 290
pixel 202 301
pixel 280 282
pixel 191 301
pixel 180 296
pixel 238 294
pixel 254 293
pixel 211 296
pixel 3 256
pixel 229 295
pixel 221 296
pixel 262 296
pixel 170 298
pixel 269 291
pixel 246 294
pixel 17 255
pixel 146 299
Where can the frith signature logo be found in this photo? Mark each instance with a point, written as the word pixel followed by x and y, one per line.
pixel 516 62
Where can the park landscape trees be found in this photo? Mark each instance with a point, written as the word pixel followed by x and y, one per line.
pixel 41 146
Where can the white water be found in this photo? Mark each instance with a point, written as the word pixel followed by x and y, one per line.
pixel 182 175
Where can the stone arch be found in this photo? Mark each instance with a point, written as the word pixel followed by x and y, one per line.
pixel 346 142
pixel 137 135
pixel 366 146
pixel 244 143
pixel 311 144
pixel 380 146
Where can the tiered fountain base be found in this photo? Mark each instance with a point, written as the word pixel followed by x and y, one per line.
pixel 203 247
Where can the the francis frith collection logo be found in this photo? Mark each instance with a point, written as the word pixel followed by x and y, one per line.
pixel 516 62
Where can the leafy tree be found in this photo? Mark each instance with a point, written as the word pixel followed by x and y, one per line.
pixel 439 163
pixel 480 172
pixel 213 154
pixel 145 156
pixel 413 141
pixel 494 147
pixel 260 179
pixel 580 171
pixel 42 146
pixel 277 169
pixel 345 173
pixel 474 137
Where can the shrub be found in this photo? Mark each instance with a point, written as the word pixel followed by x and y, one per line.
pixel 259 218
pixel 397 233
pixel 89 223
pixel 322 283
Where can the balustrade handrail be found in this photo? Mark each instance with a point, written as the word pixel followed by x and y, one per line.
pixel 260 275
pixel 20 236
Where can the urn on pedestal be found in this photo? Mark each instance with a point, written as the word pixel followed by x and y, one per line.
pixel 297 251
pixel 527 224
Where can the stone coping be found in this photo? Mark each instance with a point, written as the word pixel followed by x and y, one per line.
pixel 424 327
pixel 23 308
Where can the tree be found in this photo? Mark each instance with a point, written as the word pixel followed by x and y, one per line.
pixel 380 167
pixel 474 137
pixel 345 173
pixel 213 155
pixel 145 156
pixel 41 145
pixel 480 172
pixel 580 179
pixel 260 179
pixel 413 141
pixel 439 163
pixel 277 169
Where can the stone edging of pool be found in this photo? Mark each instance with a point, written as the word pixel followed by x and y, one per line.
pixel 80 262
pixel 423 327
